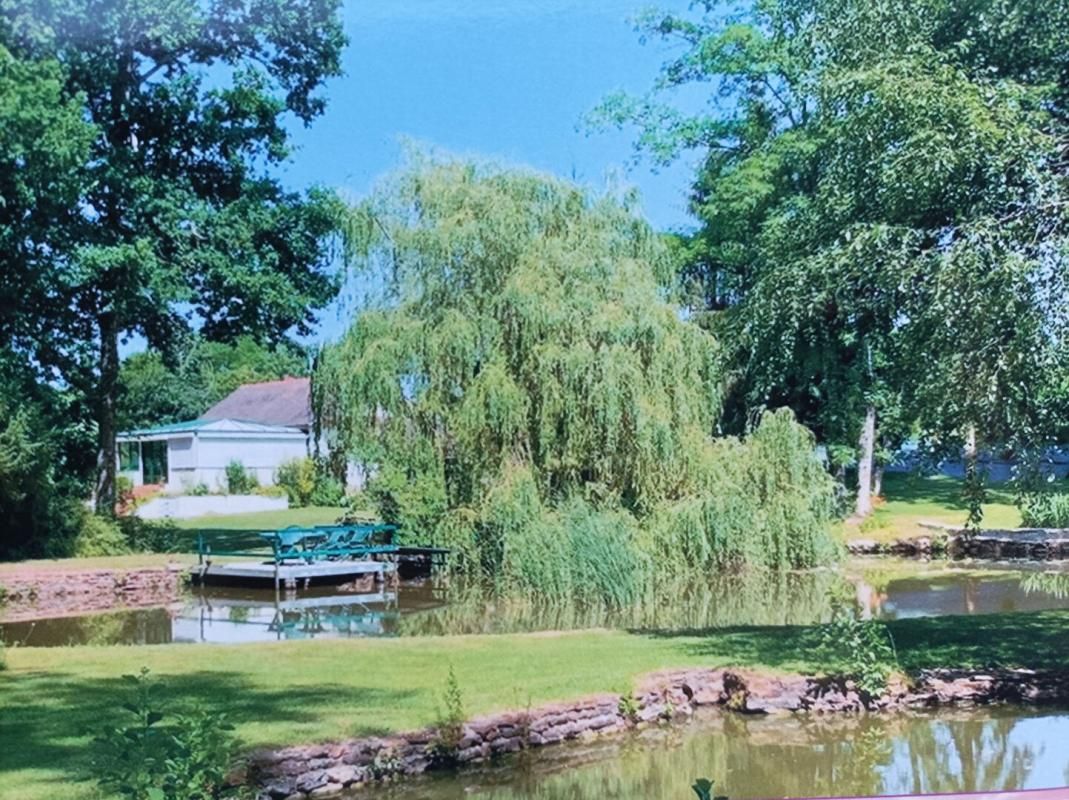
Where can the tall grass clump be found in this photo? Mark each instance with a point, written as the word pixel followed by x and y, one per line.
pixel 1044 509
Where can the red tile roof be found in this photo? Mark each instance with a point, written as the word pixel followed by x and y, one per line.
pixel 284 402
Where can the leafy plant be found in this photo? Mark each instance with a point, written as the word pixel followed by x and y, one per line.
pixel 124 491
pixel 99 536
pixel 149 535
pixel 298 477
pixel 1044 509
pixel 386 763
pixel 144 759
pixel 328 491
pixel 199 490
pixel 450 724
pixel 865 647
pixel 627 707
pixel 238 479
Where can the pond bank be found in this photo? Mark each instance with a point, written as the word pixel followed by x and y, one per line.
pixel 332 769
pixel 41 593
pixel 1035 544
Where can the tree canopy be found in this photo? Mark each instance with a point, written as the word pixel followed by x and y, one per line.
pixel 155 392
pixel 170 117
pixel 520 357
pixel 881 203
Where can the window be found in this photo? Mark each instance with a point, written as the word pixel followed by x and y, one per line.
pixel 129 457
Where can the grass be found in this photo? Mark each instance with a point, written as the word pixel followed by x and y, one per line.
pixel 223 532
pixel 52 700
pixel 911 499
pixel 240 531
pixel 262 520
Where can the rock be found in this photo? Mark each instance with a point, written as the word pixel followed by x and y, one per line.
pixel 310 780
pixel 344 774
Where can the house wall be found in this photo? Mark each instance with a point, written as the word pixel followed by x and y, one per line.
pixel 259 454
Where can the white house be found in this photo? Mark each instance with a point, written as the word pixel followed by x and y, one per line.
pixel 186 454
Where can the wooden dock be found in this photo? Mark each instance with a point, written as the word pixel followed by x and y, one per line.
pixel 268 574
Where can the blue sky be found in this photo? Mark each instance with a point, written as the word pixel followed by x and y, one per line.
pixel 510 79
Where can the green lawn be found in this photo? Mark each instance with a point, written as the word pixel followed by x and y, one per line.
pixel 223 532
pixel 237 531
pixel 910 500
pixel 51 700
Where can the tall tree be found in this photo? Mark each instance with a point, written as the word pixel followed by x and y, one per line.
pixel 855 154
pixel 180 222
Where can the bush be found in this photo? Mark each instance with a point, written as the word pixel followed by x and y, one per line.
pixel 450 723
pixel 865 647
pixel 307 483
pixel 99 536
pixel 238 479
pixel 270 491
pixel 199 490
pixel 298 477
pixel 124 491
pixel 328 492
pixel 149 535
pixel 145 758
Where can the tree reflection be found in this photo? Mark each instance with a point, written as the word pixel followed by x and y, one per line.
pixel 771 757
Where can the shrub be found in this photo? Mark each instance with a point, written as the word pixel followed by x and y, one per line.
pixel 124 491
pixel 328 491
pixel 199 490
pixel 271 491
pixel 298 477
pixel 149 535
pixel 99 536
pixel 238 479
pixel 144 758
pixel 865 647
pixel 450 723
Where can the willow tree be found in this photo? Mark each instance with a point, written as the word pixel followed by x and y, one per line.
pixel 519 346
pixel 523 388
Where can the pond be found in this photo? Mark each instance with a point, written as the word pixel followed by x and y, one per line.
pixel 883 589
pixel 752 757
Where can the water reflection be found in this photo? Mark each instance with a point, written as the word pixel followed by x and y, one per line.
pixel 779 757
pixel 884 589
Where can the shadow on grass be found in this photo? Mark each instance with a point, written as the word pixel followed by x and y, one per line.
pixel 47 717
pixel 935 490
pixel 1038 640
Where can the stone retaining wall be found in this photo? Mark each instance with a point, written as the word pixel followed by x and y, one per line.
pixel 1036 544
pixel 329 770
pixel 42 593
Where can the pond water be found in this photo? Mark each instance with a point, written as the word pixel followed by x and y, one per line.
pixel 751 757
pixel 883 589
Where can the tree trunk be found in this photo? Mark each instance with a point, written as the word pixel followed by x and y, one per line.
pixel 867 447
pixel 970 448
pixel 106 390
pixel 877 480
